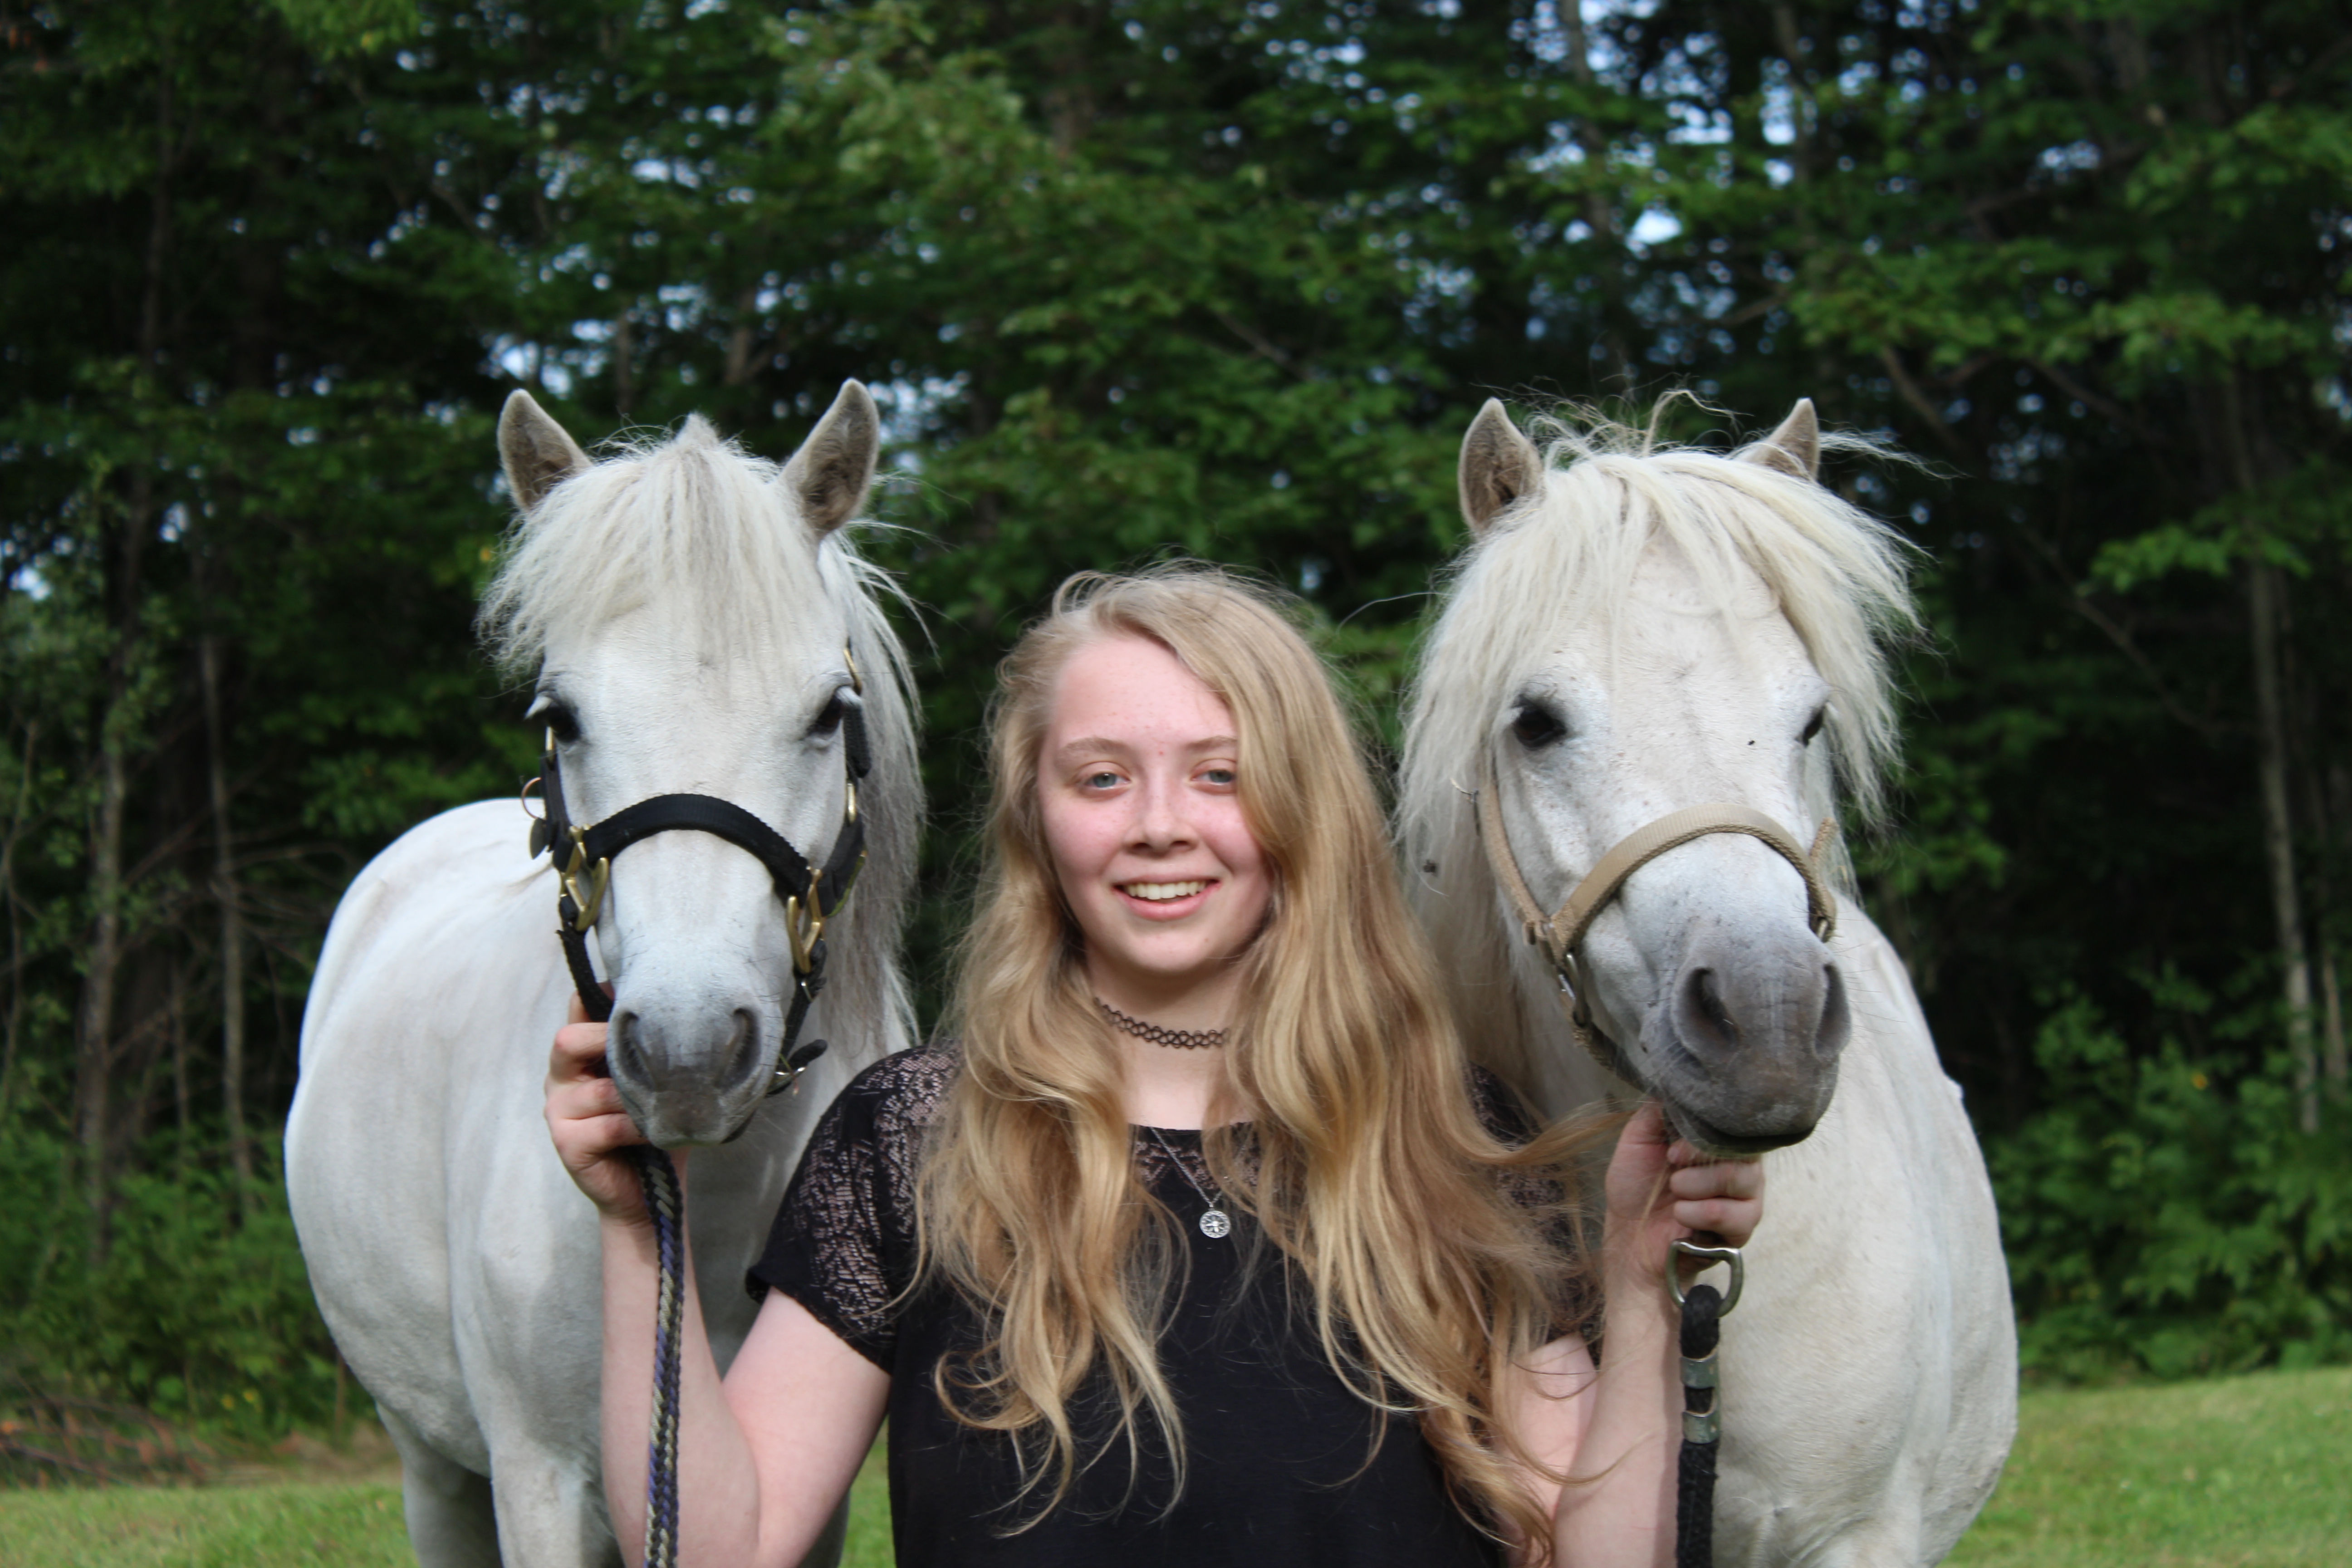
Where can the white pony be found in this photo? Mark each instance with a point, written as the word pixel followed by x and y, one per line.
pixel 1636 632
pixel 687 610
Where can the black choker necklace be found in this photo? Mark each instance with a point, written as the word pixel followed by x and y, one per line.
pixel 1159 1035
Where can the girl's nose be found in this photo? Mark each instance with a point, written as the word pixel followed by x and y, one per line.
pixel 1159 821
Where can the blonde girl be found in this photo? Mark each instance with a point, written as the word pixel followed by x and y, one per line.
pixel 1202 1242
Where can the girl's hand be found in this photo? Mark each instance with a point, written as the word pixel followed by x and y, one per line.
pixel 586 1118
pixel 1660 1192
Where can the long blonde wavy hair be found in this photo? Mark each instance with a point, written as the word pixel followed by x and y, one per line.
pixel 1362 1160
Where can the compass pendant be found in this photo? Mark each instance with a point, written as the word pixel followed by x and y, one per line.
pixel 1215 1225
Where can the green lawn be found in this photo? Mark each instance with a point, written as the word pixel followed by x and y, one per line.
pixel 2247 1472
pixel 2241 1472
pixel 212 1527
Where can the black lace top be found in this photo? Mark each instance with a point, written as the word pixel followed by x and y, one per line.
pixel 1283 1466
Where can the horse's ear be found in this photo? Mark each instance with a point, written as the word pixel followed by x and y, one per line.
pixel 1795 448
pixel 536 452
pixel 1498 467
pixel 835 466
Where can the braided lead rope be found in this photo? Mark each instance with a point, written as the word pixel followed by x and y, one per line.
pixel 1702 1426
pixel 666 1205
pixel 1703 1307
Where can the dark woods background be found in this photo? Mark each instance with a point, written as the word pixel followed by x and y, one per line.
pixel 1229 279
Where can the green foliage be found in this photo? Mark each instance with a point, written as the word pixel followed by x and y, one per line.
pixel 2159 1217
pixel 199 1310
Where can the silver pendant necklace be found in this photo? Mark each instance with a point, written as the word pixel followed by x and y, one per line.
pixel 1215 1223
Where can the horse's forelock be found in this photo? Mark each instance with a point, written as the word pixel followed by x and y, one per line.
pixel 691 521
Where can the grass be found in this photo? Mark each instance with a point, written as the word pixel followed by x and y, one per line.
pixel 211 1527
pixel 279 1524
pixel 2237 1472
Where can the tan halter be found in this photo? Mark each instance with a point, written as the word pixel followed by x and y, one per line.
pixel 1559 935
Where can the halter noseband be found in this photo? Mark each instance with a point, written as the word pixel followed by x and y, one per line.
pixel 1559 936
pixel 810 893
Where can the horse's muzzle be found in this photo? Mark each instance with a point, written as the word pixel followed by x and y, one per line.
pixel 1744 1049
pixel 688 1080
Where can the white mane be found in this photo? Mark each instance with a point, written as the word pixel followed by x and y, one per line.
pixel 698 523
pixel 1566 555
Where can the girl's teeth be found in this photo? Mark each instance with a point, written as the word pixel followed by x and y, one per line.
pixel 1160 892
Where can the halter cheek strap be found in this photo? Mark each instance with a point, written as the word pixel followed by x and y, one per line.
pixel 810 894
pixel 1560 935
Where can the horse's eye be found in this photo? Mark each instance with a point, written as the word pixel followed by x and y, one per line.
pixel 560 722
pixel 1536 726
pixel 1812 726
pixel 829 718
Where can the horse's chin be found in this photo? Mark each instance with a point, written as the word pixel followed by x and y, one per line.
pixel 1721 1144
pixel 675 1120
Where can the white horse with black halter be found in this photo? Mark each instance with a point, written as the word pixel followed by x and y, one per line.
pixel 728 702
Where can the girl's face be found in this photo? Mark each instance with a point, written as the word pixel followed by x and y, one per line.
pixel 1136 785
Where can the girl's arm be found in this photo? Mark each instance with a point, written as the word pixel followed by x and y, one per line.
pixel 764 1457
pixel 1616 1433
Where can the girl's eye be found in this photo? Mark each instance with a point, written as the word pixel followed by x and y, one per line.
pixel 1222 777
pixel 1105 780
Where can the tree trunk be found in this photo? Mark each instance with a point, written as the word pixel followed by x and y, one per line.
pixel 1598 214
pixel 2263 593
pixel 2332 1061
pixel 182 1110
pixel 14 1029
pixel 624 373
pixel 94 1031
pixel 232 924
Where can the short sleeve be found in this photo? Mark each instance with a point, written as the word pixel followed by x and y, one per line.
pixel 842 1243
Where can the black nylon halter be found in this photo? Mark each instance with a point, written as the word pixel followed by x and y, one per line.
pixel 809 895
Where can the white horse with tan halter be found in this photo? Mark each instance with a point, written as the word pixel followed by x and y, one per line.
pixel 689 614
pixel 1652 672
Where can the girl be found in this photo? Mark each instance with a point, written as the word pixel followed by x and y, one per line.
pixel 1203 1244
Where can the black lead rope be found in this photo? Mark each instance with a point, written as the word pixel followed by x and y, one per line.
pixel 1702 1307
pixel 810 894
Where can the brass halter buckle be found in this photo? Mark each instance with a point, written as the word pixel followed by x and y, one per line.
pixel 590 901
pixel 804 924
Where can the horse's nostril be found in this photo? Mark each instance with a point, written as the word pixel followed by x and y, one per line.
pixel 625 1057
pixel 742 1056
pixel 1706 1015
pixel 1829 1039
